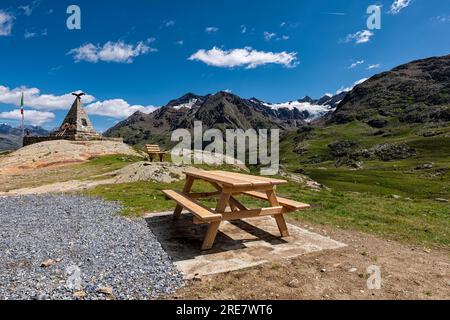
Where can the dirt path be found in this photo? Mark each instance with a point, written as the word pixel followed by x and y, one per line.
pixel 408 272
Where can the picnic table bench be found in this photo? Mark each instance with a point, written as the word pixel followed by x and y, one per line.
pixel 227 186
pixel 154 150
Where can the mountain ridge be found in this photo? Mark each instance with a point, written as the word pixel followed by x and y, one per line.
pixel 11 137
pixel 222 110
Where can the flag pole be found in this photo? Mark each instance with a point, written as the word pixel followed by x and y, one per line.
pixel 23 117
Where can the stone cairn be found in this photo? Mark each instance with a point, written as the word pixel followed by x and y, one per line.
pixel 76 126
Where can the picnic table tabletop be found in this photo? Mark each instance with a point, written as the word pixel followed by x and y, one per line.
pixel 233 179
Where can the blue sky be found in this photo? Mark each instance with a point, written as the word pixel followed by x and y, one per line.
pixel 132 55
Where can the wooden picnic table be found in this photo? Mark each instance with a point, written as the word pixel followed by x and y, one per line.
pixel 227 186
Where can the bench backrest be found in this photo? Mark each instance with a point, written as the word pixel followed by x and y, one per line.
pixel 152 148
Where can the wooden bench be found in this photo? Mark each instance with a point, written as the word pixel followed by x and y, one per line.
pixel 291 204
pixel 154 150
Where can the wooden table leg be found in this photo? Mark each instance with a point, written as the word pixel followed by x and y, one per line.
pixel 214 226
pixel 223 202
pixel 279 218
pixel 211 235
pixel 187 189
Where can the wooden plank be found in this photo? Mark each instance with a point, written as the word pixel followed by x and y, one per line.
pixel 253 178
pixel 284 202
pixel 194 207
pixel 237 204
pixel 239 190
pixel 207 176
pixel 204 195
pixel 253 213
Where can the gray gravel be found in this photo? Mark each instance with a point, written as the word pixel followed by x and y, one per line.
pixel 87 241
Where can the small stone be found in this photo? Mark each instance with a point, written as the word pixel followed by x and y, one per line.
pixel 352 270
pixel 442 200
pixel 362 291
pixel 197 278
pixel 80 294
pixel 323 270
pixel 105 290
pixel 427 250
pixel 394 196
pixel 294 283
pixel 425 166
pixel 336 265
pixel 58 260
pixel 47 263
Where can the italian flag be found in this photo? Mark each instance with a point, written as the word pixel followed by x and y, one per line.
pixel 21 105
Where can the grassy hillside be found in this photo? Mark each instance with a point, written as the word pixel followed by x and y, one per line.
pixel 404 177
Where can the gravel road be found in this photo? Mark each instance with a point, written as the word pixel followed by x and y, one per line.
pixel 69 247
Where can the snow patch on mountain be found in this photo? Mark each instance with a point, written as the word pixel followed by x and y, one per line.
pixel 312 111
pixel 188 105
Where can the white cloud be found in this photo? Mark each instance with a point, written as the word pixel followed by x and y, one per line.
pixel 6 23
pixel 246 57
pixel 283 37
pixel 211 29
pixel 169 23
pixel 179 42
pixel 28 34
pixel 373 66
pixel 346 89
pixel 336 13
pixel 399 5
pixel 33 117
pixel 269 35
pixel 355 64
pixel 116 108
pixel 243 29
pixel 34 34
pixel 283 24
pixel 33 98
pixel 29 8
pixel 359 37
pixel 119 52
pixel 441 19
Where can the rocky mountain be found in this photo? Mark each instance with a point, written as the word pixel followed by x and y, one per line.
pixel 10 137
pixel 222 110
pixel 416 92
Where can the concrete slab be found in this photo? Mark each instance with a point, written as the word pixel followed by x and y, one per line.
pixel 239 244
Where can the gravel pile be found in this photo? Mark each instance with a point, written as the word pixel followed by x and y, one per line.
pixel 71 247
